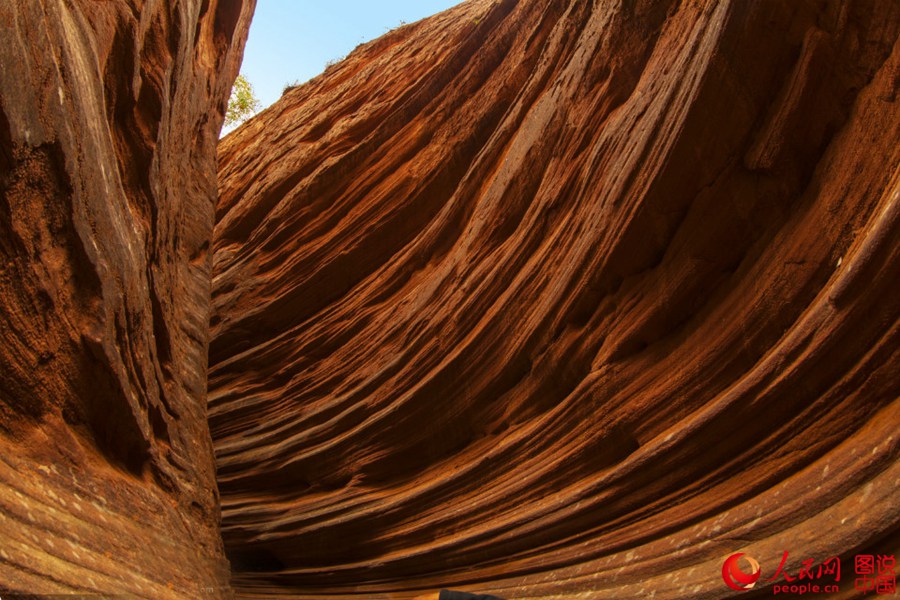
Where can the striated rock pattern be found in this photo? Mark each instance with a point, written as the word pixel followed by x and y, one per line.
pixel 109 118
pixel 565 299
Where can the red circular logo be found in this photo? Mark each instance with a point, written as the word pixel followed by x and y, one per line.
pixel 735 578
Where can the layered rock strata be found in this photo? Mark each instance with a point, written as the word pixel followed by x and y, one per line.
pixel 565 299
pixel 109 119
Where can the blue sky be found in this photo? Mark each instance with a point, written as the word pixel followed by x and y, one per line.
pixel 291 40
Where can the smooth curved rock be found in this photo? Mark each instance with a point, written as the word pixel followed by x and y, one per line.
pixel 565 299
pixel 109 118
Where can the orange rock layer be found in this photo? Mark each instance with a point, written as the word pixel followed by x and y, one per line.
pixel 109 117
pixel 565 299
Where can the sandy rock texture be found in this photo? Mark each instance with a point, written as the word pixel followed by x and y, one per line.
pixel 565 299
pixel 109 118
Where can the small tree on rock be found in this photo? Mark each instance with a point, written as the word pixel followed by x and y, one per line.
pixel 243 104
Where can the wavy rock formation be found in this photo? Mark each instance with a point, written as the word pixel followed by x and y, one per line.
pixel 565 299
pixel 109 118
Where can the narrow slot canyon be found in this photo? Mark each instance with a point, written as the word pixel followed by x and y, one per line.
pixel 544 299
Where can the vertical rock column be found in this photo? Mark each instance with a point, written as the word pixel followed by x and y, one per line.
pixel 109 118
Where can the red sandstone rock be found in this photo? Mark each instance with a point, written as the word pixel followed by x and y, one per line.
pixel 565 299
pixel 109 117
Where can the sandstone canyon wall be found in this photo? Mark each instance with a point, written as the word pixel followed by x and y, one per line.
pixel 565 299
pixel 109 119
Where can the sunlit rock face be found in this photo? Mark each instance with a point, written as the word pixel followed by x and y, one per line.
pixel 565 299
pixel 109 118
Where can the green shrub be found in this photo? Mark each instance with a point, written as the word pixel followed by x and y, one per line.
pixel 242 104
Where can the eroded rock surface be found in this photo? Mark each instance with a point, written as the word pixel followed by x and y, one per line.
pixel 109 117
pixel 559 299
